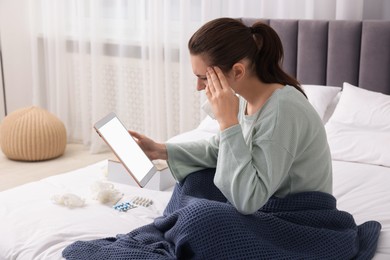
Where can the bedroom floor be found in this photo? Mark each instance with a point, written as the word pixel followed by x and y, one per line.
pixel 14 173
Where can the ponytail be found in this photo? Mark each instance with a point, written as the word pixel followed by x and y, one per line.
pixel 269 57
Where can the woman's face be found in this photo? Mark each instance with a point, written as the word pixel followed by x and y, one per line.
pixel 199 68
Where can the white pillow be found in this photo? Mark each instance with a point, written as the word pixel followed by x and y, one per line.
pixel 331 107
pixel 320 97
pixel 359 129
pixel 209 124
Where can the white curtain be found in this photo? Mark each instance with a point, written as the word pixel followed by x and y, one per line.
pixel 130 56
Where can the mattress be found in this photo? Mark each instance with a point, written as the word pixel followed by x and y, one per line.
pixel 33 227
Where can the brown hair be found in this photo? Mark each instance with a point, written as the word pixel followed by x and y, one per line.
pixel 226 41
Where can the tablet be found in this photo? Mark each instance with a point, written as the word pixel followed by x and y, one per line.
pixel 133 158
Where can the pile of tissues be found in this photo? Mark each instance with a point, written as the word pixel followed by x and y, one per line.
pixel 104 192
pixel 68 200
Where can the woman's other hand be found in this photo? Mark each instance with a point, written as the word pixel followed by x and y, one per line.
pixel 152 149
pixel 222 98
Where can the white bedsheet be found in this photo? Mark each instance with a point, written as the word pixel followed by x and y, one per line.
pixel 32 227
pixel 363 190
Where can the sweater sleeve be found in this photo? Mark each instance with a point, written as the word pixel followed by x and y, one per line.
pixel 249 178
pixel 184 158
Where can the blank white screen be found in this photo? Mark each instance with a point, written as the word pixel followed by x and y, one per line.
pixel 126 148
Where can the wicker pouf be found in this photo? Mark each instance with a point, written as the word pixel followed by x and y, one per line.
pixel 32 134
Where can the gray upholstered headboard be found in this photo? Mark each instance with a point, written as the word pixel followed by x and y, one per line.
pixel 332 52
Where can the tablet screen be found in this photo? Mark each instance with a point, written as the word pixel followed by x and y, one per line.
pixel 126 148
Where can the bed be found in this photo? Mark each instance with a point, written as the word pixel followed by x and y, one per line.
pixel 344 67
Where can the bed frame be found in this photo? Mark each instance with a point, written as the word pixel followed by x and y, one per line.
pixel 332 52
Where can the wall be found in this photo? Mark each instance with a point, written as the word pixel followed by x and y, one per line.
pixel 16 49
pixel 377 9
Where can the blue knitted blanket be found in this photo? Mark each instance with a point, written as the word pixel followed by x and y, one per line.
pixel 199 223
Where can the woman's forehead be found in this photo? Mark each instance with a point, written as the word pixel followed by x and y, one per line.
pixel 199 64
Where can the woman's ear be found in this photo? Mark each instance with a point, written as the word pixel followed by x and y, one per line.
pixel 238 70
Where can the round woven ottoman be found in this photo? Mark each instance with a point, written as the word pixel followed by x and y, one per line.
pixel 32 134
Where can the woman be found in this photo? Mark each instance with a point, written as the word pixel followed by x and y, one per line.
pixel 271 140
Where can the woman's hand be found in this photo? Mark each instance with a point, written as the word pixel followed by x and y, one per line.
pixel 152 149
pixel 222 98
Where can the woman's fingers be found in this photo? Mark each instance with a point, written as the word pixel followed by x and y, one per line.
pixel 135 134
pixel 215 81
pixel 210 85
pixel 221 78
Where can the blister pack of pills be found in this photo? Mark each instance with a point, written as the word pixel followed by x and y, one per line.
pixel 133 203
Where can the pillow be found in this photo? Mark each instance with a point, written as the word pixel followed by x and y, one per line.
pixel 331 107
pixel 359 129
pixel 209 124
pixel 320 97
